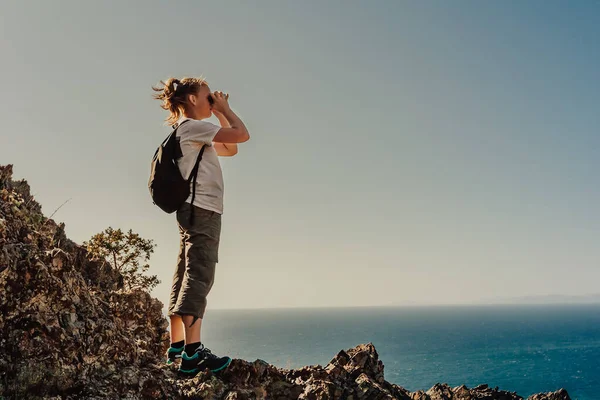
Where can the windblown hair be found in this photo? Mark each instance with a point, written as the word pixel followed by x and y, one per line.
pixel 174 93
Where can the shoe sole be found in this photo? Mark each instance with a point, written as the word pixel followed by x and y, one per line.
pixel 177 351
pixel 169 361
pixel 195 371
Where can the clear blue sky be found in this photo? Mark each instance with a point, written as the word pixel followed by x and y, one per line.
pixel 402 152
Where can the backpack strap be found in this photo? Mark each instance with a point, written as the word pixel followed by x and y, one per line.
pixel 196 165
pixel 194 172
pixel 192 177
pixel 175 126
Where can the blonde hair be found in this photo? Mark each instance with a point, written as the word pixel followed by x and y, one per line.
pixel 174 94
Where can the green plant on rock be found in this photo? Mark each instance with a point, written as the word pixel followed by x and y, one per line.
pixel 127 253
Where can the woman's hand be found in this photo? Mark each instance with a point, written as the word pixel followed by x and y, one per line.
pixel 220 102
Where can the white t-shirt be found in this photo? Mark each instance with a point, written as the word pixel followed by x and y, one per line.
pixel 209 181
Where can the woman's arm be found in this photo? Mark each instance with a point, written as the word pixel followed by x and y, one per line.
pixel 224 149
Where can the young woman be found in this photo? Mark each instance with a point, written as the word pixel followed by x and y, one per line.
pixel 189 101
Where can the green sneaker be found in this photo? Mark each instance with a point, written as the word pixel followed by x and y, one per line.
pixel 174 354
pixel 202 358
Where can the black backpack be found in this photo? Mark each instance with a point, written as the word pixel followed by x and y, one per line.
pixel 168 188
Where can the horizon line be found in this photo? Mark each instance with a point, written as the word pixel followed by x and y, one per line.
pixel 596 302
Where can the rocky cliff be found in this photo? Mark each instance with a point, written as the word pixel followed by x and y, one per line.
pixel 68 330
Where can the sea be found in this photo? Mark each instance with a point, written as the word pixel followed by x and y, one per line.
pixel 523 348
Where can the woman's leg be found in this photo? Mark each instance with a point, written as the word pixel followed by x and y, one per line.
pixel 192 332
pixel 202 248
pixel 177 332
pixel 201 256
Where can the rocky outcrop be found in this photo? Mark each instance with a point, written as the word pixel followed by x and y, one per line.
pixel 68 330
pixel 66 325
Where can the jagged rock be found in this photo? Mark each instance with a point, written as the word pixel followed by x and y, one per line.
pixel 68 330
pixel 560 394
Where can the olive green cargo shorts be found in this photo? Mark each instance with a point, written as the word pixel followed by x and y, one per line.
pixel 198 256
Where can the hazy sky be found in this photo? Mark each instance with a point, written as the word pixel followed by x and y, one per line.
pixel 401 152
